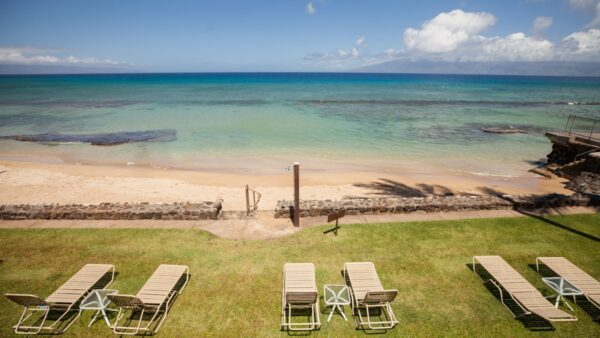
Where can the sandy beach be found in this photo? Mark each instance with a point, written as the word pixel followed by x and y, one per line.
pixel 26 181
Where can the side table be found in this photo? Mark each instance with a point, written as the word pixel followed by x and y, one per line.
pixel 336 296
pixel 97 301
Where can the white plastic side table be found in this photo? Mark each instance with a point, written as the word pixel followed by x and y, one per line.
pixel 97 301
pixel 336 296
pixel 563 288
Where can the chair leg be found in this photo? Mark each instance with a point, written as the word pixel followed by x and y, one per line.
pixel 312 325
pixel 24 329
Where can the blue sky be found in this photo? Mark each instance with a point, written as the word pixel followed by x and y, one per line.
pixel 292 35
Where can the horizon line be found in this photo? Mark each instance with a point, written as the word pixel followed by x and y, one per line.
pixel 290 72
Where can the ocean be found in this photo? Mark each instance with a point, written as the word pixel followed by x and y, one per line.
pixel 260 122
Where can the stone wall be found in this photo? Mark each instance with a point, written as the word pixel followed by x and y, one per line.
pixel 551 201
pixel 112 211
pixel 585 183
pixel 392 205
pixel 562 154
pixel 429 204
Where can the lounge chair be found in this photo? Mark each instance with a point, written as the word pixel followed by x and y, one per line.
pixel 577 277
pixel 299 293
pixel 525 295
pixel 368 294
pixel 155 297
pixel 63 301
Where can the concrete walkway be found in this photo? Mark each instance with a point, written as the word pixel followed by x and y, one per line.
pixel 262 225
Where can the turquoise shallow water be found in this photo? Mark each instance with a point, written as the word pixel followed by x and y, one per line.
pixel 358 118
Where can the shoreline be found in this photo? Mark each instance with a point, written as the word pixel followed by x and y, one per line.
pixel 23 181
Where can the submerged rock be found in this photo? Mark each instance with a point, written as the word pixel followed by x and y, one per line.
pixel 102 139
pixel 504 130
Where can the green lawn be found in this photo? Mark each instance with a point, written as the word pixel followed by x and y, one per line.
pixel 235 287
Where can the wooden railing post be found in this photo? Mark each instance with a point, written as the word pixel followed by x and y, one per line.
pixel 247 200
pixel 296 216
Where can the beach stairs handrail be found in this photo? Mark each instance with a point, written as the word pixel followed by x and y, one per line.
pixel 252 203
pixel 587 152
pixel 593 130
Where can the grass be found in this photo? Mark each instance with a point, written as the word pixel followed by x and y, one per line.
pixel 235 287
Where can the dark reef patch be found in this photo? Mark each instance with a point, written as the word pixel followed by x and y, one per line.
pixel 101 139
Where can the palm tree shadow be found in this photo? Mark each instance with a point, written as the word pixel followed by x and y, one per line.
pixel 540 212
pixel 388 187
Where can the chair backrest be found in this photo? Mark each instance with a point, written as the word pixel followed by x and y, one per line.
pixel 162 282
pixel 301 297
pixel 299 283
pixel 386 296
pixel 26 300
pixel 126 301
pixel 511 279
pixel 80 284
pixel 363 278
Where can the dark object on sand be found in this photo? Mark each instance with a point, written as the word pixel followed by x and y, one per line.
pixel 504 130
pixel 104 139
pixel 335 217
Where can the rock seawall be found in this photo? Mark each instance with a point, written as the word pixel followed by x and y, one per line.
pixel 311 208
pixel 112 211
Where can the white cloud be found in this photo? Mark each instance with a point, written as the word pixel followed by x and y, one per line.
pixel 456 36
pixel 580 44
pixel 38 56
pixel 342 58
pixel 514 47
pixel 447 31
pixel 582 3
pixel 310 8
pixel 596 21
pixel 541 23
pixel 447 38
pixel 588 6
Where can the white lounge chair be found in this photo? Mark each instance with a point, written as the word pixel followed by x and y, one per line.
pixel 64 300
pixel 368 294
pixel 525 295
pixel 299 293
pixel 577 277
pixel 154 297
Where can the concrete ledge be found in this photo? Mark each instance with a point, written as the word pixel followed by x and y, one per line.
pixel 112 211
pixel 370 206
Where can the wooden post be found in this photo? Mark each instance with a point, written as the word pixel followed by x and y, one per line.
pixel 296 218
pixel 247 200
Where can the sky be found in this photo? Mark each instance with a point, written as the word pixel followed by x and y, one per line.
pixel 292 35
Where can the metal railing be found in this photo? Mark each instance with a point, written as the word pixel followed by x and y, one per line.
pixel 583 127
pixel 252 205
